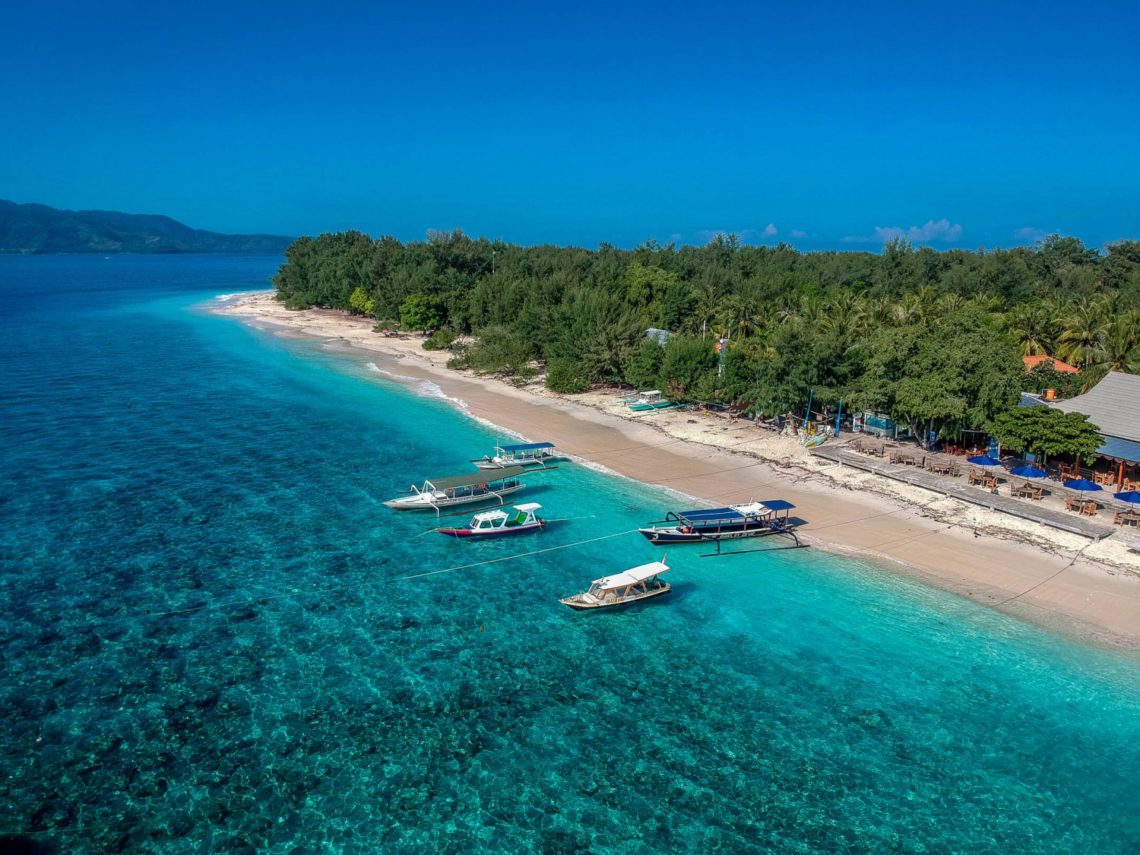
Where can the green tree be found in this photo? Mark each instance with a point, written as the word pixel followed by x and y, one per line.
pixel 421 312
pixel 957 373
pixel 1046 431
pixel 643 370
pixel 360 303
pixel 566 377
pixel 685 362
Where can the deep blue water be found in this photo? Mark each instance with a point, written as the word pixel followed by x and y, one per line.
pixel 208 643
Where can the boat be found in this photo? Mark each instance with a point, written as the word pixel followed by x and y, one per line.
pixel 525 454
pixel 499 523
pixel 467 489
pixel 651 400
pixel 754 519
pixel 621 589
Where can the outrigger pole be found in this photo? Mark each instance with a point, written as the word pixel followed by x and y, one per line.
pixel 791 534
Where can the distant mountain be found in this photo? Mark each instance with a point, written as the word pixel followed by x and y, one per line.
pixel 38 228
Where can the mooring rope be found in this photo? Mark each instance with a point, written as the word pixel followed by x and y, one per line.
pixel 517 555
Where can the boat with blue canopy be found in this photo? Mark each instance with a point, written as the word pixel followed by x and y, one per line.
pixel 521 454
pixel 754 519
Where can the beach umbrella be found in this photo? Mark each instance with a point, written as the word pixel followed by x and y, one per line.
pixel 984 460
pixel 1028 472
pixel 1082 484
pixel 1132 496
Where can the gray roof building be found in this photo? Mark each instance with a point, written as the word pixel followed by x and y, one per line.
pixel 1113 405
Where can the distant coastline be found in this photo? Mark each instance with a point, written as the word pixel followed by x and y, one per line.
pixel 32 229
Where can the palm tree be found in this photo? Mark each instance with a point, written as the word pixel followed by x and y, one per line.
pixel 1117 349
pixel 844 317
pixel 1078 340
pixel 705 304
pixel 1033 328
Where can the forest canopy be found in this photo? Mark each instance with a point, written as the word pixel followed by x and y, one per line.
pixel 932 338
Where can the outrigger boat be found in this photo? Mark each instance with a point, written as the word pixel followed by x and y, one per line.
pixel 621 589
pixel 755 519
pixel 651 400
pixel 499 523
pixel 468 489
pixel 526 454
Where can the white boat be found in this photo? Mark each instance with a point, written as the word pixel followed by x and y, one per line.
pixel 467 489
pixel 621 589
pixel 524 454
pixel 651 400
pixel 500 523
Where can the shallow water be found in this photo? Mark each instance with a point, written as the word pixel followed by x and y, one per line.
pixel 209 643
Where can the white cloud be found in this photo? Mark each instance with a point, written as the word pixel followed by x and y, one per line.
pixel 942 231
pixel 1029 234
pixel 769 230
pixel 796 233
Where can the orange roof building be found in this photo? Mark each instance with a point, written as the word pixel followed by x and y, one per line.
pixel 1031 362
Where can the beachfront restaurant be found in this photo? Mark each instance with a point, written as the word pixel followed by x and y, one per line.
pixel 1113 405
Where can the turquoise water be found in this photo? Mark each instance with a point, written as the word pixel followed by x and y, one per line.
pixel 209 643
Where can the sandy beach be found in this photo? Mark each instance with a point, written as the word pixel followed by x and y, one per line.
pixel 1062 582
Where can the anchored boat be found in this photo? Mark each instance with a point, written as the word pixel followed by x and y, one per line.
pixel 525 454
pixel 499 523
pixel 467 489
pixel 621 589
pixel 755 519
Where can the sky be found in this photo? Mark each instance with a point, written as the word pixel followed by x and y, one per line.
pixel 825 125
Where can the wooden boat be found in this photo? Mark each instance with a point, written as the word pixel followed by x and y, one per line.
pixel 499 523
pixel 621 589
pixel 467 489
pixel 651 400
pixel 525 454
pixel 755 519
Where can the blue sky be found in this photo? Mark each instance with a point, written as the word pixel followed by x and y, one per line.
pixel 823 124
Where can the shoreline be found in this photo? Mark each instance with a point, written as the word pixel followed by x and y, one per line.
pixel 1065 584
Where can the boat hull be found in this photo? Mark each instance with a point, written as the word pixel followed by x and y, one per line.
pixel 487 464
pixel 664 536
pixel 427 502
pixel 466 533
pixel 579 603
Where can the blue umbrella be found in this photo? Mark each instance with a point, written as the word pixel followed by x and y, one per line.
pixel 1028 472
pixel 984 460
pixel 1082 484
pixel 1132 496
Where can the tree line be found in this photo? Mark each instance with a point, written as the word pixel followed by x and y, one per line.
pixel 934 338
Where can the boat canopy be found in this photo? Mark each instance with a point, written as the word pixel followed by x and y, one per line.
pixel 708 514
pixel 777 505
pixel 489 516
pixel 526 446
pixel 631 576
pixel 473 478
pixel 736 512
pixel 529 507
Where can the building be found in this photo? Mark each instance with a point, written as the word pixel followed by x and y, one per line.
pixel 1113 405
pixel 1031 362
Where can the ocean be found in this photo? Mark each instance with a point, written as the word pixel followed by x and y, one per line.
pixel 210 642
